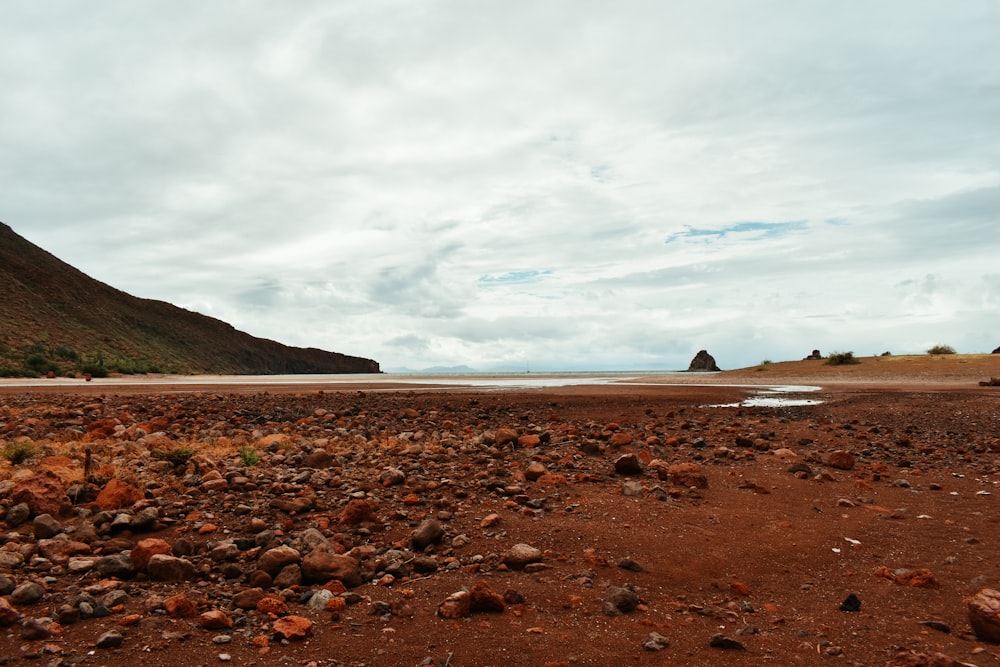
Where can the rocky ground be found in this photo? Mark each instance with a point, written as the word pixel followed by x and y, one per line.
pixel 574 526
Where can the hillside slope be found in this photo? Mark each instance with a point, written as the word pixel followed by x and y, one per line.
pixel 54 317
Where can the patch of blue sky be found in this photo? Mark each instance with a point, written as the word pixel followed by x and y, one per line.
pixel 759 230
pixel 513 278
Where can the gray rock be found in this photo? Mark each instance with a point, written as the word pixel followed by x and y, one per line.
pixel 145 519
pixel 520 555
pixel 427 533
pixel 170 568
pixel 224 551
pixel 110 639
pixel 114 598
pixel 27 593
pixel 655 642
pixel 619 600
pixel 118 565
pixel 17 515
pixel 46 526
pixel 632 489
pixel 318 600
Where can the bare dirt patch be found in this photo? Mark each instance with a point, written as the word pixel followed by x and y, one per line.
pixel 760 560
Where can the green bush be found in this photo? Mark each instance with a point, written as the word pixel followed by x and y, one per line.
pixel 94 370
pixel 178 456
pixel 11 372
pixel 941 349
pixel 18 452
pixel 249 456
pixel 842 359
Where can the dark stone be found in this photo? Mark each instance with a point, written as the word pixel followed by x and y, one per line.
pixel 851 603
pixel 118 565
pixel 110 639
pixel 427 533
pixel 726 643
pixel 630 565
pixel 703 362
pixel 619 600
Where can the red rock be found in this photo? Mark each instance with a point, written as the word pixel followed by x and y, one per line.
pixel 216 619
pixel 272 605
pixel 912 659
pixel 620 439
pixel 534 471
pixel 248 598
pixel 687 475
pixel 484 599
pixel 504 435
pixel 840 459
pixel 272 560
pixel 456 605
pixel 8 614
pixel 490 520
pixel 180 606
pixel 321 566
pixel 292 627
pixel 552 479
pixel 528 441
pixel 920 578
pixel 145 550
pixel 983 611
pixel 214 485
pixel 358 511
pixel 117 494
pixel 43 493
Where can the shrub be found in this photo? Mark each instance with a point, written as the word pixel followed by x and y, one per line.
pixel 94 370
pixel 249 456
pixel 18 452
pixel 941 349
pixel 178 456
pixel 841 359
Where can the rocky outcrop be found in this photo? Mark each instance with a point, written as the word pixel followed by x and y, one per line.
pixel 703 362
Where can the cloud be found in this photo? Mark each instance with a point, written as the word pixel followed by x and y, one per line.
pixel 585 183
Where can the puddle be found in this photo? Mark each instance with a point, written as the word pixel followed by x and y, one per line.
pixel 771 397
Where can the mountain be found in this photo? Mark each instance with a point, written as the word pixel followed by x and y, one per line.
pixel 54 317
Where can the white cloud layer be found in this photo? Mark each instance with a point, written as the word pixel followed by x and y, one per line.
pixel 567 184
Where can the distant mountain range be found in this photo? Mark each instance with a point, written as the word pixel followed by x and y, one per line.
pixel 54 318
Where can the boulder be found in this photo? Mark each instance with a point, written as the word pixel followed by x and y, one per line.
pixel 117 494
pixel 321 566
pixel 43 493
pixel 983 610
pixel 703 362
pixel 162 567
pixel 146 549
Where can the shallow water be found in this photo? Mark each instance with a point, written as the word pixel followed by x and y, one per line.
pixel 765 396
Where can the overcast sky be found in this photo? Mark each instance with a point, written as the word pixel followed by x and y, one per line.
pixel 558 184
